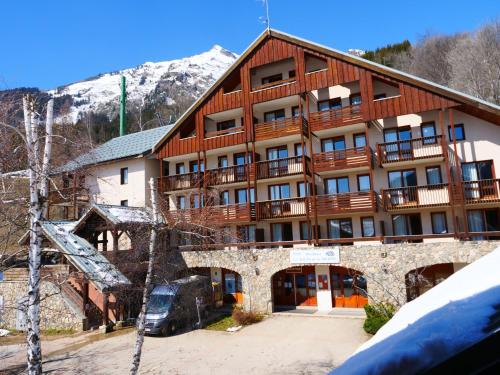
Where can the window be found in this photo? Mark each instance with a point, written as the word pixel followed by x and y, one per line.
pixel 304 231
pixel 295 111
pixel 405 178
pixel 224 198
pixel 196 202
pixel 225 125
pixel 459 132
pixel 275 153
pixel 180 168
pixel 124 203
pixel 399 147
pixel 278 114
pixel 240 195
pixel 339 228
pixel 428 131
pixel 123 176
pixel 364 183
pixel 439 225
pixel 380 96
pixel 193 166
pixel 478 170
pixel 367 227
pixel 181 202
pixel 281 232
pixel 279 191
pixel 486 220
pixel 333 144
pixel 246 233
pixel 298 149
pixel 301 189
pixel 273 78
pixel 433 175
pixel 325 105
pixel 359 140
pixel 337 185
pixel 406 225
pixel 291 73
pixel 355 99
pixel 222 162
pixel 239 159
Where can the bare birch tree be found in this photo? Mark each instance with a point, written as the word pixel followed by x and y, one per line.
pixel 153 243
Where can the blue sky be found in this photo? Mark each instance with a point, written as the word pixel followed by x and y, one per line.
pixel 51 43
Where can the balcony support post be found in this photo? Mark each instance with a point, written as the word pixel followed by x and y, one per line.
pixel 247 168
pixel 313 178
pixel 368 152
pixel 459 171
pixel 205 197
pixel 451 185
pixel 160 187
pixel 304 173
pixel 254 166
pixel 75 214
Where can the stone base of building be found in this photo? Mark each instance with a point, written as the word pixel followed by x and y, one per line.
pixel 254 277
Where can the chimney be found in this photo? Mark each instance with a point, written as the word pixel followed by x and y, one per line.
pixel 123 101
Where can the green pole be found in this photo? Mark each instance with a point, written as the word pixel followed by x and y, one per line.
pixel 123 100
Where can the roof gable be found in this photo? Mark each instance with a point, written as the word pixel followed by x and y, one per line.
pixel 348 67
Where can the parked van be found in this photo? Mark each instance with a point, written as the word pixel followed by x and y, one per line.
pixel 180 303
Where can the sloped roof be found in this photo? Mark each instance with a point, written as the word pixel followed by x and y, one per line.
pixel 117 215
pixel 85 257
pixel 127 146
pixel 359 61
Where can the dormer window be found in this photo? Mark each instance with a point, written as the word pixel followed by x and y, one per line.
pixel 273 78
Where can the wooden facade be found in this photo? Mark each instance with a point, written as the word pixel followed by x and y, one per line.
pixel 237 90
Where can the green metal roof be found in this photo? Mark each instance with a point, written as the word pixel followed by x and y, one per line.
pixel 127 146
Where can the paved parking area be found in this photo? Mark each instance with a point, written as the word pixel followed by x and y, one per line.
pixel 281 344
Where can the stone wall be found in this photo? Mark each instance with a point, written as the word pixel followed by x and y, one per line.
pixel 56 311
pixel 384 266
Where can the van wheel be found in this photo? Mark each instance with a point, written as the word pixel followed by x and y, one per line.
pixel 171 328
pixel 164 331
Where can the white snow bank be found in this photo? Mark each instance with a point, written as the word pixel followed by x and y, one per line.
pixel 445 320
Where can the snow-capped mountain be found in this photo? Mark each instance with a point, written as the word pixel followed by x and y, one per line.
pixel 150 83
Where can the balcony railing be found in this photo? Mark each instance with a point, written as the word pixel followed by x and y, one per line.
pixel 280 128
pixel 240 212
pixel 335 117
pixel 274 83
pixel 410 150
pixel 346 203
pixel 482 191
pixel 219 133
pixel 282 167
pixel 181 181
pixel 68 195
pixel 282 208
pixel 342 159
pixel 416 197
pixel 228 175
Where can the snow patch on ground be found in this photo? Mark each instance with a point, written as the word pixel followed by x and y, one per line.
pixel 445 320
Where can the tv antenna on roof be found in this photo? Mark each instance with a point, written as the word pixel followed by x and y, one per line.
pixel 266 20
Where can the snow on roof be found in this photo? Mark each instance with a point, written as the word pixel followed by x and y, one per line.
pixel 85 257
pixel 125 214
pixel 444 321
pixel 130 145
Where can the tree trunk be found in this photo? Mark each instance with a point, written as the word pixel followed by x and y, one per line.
pixel 136 359
pixel 34 350
pixel 47 153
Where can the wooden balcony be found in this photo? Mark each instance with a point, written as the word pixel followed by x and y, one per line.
pixel 346 203
pixel 411 197
pixel 283 167
pixel 220 133
pixel 481 192
pixel 343 159
pixel 231 213
pixel 280 128
pixel 274 84
pixel 68 195
pixel 282 208
pixel 334 118
pixel 181 181
pixel 228 175
pixel 401 152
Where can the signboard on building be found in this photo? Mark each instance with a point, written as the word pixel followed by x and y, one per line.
pixel 323 255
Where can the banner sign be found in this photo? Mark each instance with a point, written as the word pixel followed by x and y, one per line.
pixel 323 255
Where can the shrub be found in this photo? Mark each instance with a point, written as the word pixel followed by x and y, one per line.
pixel 244 318
pixel 376 316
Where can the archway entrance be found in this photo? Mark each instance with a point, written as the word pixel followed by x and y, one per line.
pixel 420 280
pixel 227 284
pixel 295 286
pixel 349 287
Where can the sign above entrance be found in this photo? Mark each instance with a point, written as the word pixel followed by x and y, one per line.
pixel 324 255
